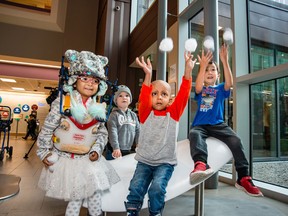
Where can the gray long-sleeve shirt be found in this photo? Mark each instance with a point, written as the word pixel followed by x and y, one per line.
pixel 123 129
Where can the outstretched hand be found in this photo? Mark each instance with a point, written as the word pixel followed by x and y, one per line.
pixel 224 53
pixel 205 58
pixel 189 62
pixel 147 67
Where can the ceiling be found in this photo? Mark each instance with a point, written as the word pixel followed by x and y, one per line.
pixel 30 85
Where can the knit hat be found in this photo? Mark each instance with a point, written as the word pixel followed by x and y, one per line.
pixel 88 64
pixel 122 88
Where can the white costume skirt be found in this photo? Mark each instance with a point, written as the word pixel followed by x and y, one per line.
pixel 78 178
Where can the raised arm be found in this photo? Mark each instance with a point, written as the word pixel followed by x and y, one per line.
pixel 147 68
pixel 189 65
pixel 226 67
pixel 204 61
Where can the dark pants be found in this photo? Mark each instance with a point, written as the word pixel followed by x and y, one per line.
pixel 31 132
pixel 198 145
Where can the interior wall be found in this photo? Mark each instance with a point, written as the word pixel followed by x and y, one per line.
pixel 14 100
pixel 31 43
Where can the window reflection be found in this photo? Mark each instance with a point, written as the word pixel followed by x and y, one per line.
pixel 263 112
pixel 268 28
pixel 283 106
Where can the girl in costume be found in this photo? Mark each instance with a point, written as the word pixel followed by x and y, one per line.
pixel 71 145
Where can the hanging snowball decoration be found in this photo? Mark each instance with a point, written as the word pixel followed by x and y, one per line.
pixel 228 36
pixel 191 45
pixel 166 45
pixel 208 43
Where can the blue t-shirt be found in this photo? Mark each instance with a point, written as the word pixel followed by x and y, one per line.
pixel 210 105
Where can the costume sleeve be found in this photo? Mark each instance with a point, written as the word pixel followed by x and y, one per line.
pixel 145 102
pixel 101 140
pixel 52 121
pixel 180 102
pixel 113 131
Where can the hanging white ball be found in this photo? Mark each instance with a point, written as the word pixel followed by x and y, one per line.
pixel 191 45
pixel 208 43
pixel 228 36
pixel 166 45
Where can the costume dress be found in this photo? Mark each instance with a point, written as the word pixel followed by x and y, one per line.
pixel 74 176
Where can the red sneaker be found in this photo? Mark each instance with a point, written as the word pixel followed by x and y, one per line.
pixel 201 172
pixel 248 187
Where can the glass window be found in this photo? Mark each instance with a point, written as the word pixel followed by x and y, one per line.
pixel 263 113
pixel 268 33
pixel 197 32
pixel 283 106
pixel 281 57
pixel 268 100
pixel 262 58
pixel 138 9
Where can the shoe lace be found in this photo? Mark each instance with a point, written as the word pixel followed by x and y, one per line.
pixel 251 182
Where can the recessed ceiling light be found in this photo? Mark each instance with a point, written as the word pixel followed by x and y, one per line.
pixel 19 89
pixel 8 80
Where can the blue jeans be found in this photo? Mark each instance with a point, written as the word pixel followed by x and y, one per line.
pixel 198 145
pixel 145 174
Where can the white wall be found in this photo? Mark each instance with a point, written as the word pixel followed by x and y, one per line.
pixel 15 99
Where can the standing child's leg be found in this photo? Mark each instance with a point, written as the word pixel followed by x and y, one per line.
pixel 138 188
pixel 157 189
pixel 94 204
pixel 73 208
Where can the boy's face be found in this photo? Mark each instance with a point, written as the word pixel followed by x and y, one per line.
pixel 123 100
pixel 161 93
pixel 87 86
pixel 211 75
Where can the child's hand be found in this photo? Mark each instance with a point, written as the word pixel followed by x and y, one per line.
pixel 205 58
pixel 116 153
pixel 189 62
pixel 93 156
pixel 224 53
pixel 147 67
pixel 46 161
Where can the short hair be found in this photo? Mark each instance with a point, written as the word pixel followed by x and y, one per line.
pixel 216 64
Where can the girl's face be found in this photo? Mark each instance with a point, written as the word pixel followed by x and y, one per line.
pixel 160 95
pixel 211 75
pixel 123 100
pixel 87 86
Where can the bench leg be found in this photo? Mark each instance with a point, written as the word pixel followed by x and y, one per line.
pixel 199 200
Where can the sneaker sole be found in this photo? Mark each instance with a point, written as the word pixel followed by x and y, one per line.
pixel 200 176
pixel 239 187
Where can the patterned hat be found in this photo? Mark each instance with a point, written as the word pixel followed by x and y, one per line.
pixel 88 64
pixel 122 88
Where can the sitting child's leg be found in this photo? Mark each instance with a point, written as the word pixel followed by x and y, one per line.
pixel 199 153
pixel 233 141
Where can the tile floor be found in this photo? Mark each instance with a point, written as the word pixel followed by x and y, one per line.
pixel 226 200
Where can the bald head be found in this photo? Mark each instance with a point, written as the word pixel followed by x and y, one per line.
pixel 162 85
